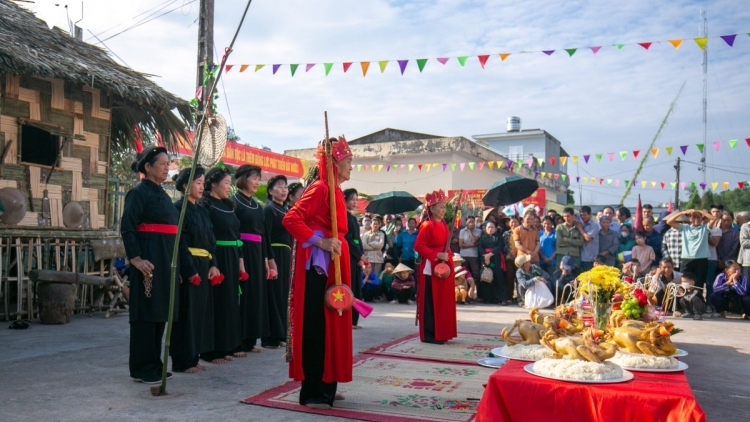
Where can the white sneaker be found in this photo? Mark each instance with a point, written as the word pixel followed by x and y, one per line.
pixel 395 301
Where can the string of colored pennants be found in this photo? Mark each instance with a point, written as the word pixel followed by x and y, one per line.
pixel 636 154
pixel 520 167
pixel 701 42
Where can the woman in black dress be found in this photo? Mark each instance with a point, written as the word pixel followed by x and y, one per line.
pixel 295 193
pixel 256 260
pixel 281 245
pixel 491 246
pixel 356 254
pixel 227 335
pixel 193 331
pixel 149 226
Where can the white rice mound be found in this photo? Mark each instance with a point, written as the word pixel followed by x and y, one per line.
pixel 523 351
pixel 574 369
pixel 641 361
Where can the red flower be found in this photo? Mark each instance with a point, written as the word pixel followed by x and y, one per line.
pixel 244 276
pixel 196 280
pixel 217 279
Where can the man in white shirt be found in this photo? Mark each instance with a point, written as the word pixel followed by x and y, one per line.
pixel 468 238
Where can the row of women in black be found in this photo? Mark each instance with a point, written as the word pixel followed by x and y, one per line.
pixel 234 266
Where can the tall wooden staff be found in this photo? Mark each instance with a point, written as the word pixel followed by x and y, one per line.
pixel 339 297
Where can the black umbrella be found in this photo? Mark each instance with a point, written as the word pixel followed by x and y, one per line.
pixel 509 191
pixel 394 202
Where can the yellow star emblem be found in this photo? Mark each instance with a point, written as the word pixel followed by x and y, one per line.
pixel 338 296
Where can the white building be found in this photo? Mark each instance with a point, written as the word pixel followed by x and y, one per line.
pixel 379 157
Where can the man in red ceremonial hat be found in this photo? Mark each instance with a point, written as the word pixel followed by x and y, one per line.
pixel 321 338
pixel 436 304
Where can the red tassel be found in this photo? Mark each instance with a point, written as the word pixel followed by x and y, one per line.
pixel 196 280
pixel 244 276
pixel 217 279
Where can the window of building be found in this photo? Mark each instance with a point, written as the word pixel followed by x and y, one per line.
pixel 38 146
pixel 515 153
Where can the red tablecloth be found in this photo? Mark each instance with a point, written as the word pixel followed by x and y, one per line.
pixel 512 394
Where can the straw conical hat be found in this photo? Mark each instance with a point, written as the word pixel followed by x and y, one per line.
pixel 402 267
pixel 73 215
pixel 15 205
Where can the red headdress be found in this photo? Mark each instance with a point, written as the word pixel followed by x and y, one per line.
pixel 339 150
pixel 435 197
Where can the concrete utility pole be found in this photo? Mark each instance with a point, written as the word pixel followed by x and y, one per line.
pixel 704 33
pixel 677 186
pixel 205 45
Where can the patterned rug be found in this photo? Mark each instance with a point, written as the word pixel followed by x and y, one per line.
pixel 466 348
pixel 389 389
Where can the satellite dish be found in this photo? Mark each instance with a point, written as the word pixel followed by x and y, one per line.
pixel 214 140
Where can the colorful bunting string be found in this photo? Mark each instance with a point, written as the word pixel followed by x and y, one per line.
pixel 483 59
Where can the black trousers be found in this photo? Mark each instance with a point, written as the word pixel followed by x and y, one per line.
pixel 429 310
pixel 145 350
pixel 699 267
pixel 314 390
pixel 402 295
pixel 471 263
pixel 413 265
pixel 180 364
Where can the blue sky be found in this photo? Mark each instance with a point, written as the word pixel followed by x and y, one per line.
pixel 608 102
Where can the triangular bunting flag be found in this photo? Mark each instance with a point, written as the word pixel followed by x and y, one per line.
pixel 346 66
pixel 374 167
pixel 402 65
pixel 388 167
pixel 365 66
pixel 382 64
pixel 504 56
pixel 627 183
pixel 717 145
pixel 552 160
pixel 682 185
pixel 676 43
pixel 595 49
pixel 571 51
pixel 653 184
pixel 328 67
pixel 654 152
pixel 367 166
pixel 445 166
pixel 700 147
pixel 490 163
pixel 359 167
pixel 586 158
pixel 619 46
pixel 380 167
pixel 462 60
pixel 544 174
pixel 623 154
pixel 575 157
pixel 481 165
pixel 462 165
pixel 601 181
pixel 673 184
pixel 499 164
pixel 309 66
pixel 643 184
pixel 483 60
pixel 564 176
pixel 419 167
pixel 402 166
pixel 453 166
pixel 714 185
pixel 228 67
pixel 732 143
pixel 577 179
pixel 529 162
pixel 669 150
pixel 726 185
pixel 701 41
pixel 411 166
pixel 662 184
pixel 636 152
pixel 611 155
pixel 293 68
pixel 427 167
pixel 609 181
pixel 585 179
pixel 443 60
pixel 747 141
pixel 645 45
pixel 244 67
pixel 563 160
pixel 259 67
pixel 548 52
pixel 741 184
pixel 617 182
pixel 598 158
pixel 729 39
pixel 540 161
pixel 683 148
pixel 420 64
pixel 549 175
pixel 275 68
pixel 471 165
pixel 703 185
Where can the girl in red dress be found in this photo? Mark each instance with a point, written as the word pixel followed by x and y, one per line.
pixel 434 293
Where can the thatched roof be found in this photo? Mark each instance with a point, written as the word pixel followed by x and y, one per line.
pixel 29 47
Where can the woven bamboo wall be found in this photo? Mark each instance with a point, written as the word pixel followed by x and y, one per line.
pixel 78 113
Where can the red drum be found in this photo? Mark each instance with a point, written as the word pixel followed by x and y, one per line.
pixel 339 297
pixel 442 270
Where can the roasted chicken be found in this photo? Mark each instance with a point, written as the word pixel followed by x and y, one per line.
pixel 653 339
pixel 582 347
pixel 530 333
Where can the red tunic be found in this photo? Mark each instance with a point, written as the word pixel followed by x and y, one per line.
pixel 312 213
pixel 431 240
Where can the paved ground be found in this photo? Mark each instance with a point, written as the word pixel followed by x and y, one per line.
pixel 79 371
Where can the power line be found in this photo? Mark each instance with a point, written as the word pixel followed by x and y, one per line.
pixel 109 49
pixel 160 6
pixel 149 20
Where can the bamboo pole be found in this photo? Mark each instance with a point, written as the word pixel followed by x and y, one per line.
pixel 162 389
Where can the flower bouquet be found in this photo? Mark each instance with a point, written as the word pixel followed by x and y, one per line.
pixel 600 284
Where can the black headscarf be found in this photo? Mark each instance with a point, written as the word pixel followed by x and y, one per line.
pixel 146 156
pixel 181 179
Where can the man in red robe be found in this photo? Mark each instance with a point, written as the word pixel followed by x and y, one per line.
pixel 321 338
pixel 436 305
